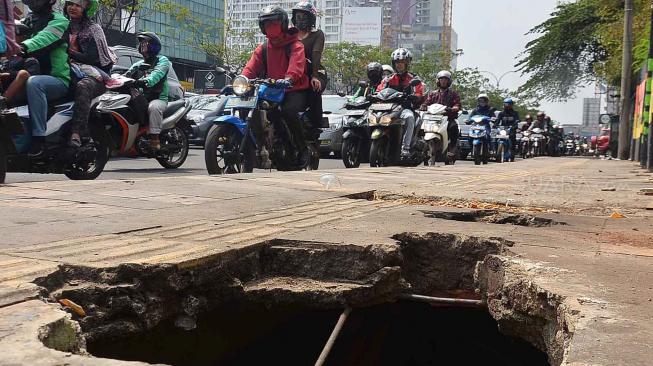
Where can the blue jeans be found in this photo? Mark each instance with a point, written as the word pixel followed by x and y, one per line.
pixel 40 90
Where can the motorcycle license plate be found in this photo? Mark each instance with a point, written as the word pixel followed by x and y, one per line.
pixel 325 142
pixel 354 113
pixel 382 106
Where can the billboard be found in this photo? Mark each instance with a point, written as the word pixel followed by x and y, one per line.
pixel 208 80
pixel 362 25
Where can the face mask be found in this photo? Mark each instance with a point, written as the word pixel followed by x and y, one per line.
pixel 273 30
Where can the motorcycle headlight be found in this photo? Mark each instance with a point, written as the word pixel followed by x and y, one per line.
pixel 385 120
pixel 372 119
pixel 503 133
pixel 240 85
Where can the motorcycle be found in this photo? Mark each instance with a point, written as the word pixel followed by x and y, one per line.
pixel 356 135
pixel 569 147
pixel 481 138
pixel 525 145
pixel 434 125
pixel 254 131
pixel 128 137
pixel 84 163
pixel 504 145
pixel 384 119
pixel 537 141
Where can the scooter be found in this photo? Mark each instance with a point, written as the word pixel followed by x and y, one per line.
pixel 480 136
pixel 255 129
pixel 537 141
pixel 356 135
pixel 384 119
pixel 83 163
pixel 434 125
pixel 504 145
pixel 128 136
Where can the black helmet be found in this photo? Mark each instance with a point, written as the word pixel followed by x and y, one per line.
pixel 374 72
pixel 38 6
pixel 307 8
pixel 273 12
pixel 154 42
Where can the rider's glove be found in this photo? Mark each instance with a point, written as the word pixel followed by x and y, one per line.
pixel 140 83
pixel 283 83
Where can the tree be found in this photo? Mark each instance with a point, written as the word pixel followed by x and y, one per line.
pixel 578 44
pixel 345 63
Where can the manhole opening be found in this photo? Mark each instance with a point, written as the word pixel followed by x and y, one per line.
pixel 494 217
pixel 402 333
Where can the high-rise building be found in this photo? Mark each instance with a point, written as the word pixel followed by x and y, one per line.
pixel 591 112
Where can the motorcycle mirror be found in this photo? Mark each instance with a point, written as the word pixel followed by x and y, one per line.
pixel 415 82
pixel 362 84
pixel 465 112
pixel 341 94
pixel 220 71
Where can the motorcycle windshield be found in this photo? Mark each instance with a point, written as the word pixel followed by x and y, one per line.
pixel 388 94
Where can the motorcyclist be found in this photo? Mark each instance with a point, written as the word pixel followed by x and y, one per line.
pixel 387 71
pixel 483 107
pixel 153 83
pixel 548 124
pixel 401 80
pixel 49 48
pixel 374 78
pixel 286 63
pixel 16 70
pixel 446 96
pixel 509 117
pixel 528 121
pixel 539 122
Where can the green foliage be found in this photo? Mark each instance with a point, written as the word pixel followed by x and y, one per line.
pixel 345 63
pixel 580 43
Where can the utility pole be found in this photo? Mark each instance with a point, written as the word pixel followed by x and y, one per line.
pixel 626 75
pixel 649 154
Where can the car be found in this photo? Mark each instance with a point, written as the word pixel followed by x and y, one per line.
pixel 331 138
pixel 464 145
pixel 128 56
pixel 204 110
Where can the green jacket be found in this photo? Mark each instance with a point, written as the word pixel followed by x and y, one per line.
pixel 156 79
pixel 49 42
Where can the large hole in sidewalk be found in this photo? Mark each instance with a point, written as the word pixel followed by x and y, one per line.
pixel 276 303
pixel 493 217
pixel 402 333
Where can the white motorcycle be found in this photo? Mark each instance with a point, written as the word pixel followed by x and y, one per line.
pixel 434 125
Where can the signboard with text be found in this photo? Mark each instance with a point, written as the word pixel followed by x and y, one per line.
pixel 208 80
pixel 362 25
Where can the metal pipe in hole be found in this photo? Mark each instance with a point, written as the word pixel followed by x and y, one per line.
pixel 442 300
pixel 332 338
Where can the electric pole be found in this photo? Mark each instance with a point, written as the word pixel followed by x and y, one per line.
pixel 626 75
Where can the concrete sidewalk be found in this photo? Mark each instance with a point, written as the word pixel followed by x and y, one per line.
pixel 600 267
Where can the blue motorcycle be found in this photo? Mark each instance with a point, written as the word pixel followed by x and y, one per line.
pixel 239 142
pixel 503 144
pixel 480 138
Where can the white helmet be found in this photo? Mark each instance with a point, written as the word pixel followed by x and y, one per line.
pixel 388 68
pixel 482 95
pixel 401 54
pixel 446 75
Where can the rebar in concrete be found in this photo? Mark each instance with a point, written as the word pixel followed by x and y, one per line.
pixel 443 300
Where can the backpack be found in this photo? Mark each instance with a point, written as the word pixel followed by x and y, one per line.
pixel 309 65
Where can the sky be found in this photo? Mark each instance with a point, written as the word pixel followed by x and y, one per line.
pixel 492 33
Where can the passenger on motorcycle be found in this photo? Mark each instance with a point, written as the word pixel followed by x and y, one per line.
pixel 90 59
pixel 387 71
pixel 286 63
pixel 153 83
pixel 539 122
pixel 304 18
pixel 16 70
pixel 509 117
pixel 446 96
pixel 483 107
pixel 400 80
pixel 49 48
pixel 374 78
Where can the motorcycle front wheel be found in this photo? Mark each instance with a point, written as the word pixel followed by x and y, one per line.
pixel 92 169
pixel 378 152
pixel 351 153
pixel 501 154
pixel 174 159
pixel 222 151
pixel 477 154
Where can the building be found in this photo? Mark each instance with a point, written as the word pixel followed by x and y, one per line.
pixel 591 112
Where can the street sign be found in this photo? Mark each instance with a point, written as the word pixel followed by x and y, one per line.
pixel 605 119
pixel 208 80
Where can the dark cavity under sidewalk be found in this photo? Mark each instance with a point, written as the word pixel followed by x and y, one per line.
pixel 402 333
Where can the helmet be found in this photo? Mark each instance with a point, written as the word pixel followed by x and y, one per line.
pixel 90 7
pixel 401 54
pixel 547 118
pixel 374 72
pixel 154 42
pixel 540 114
pixel 528 118
pixel 39 5
pixel 388 68
pixel 444 74
pixel 482 96
pixel 309 9
pixel 508 101
pixel 273 12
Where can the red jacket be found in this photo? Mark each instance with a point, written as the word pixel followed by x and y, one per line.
pixel 279 66
pixel 400 83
